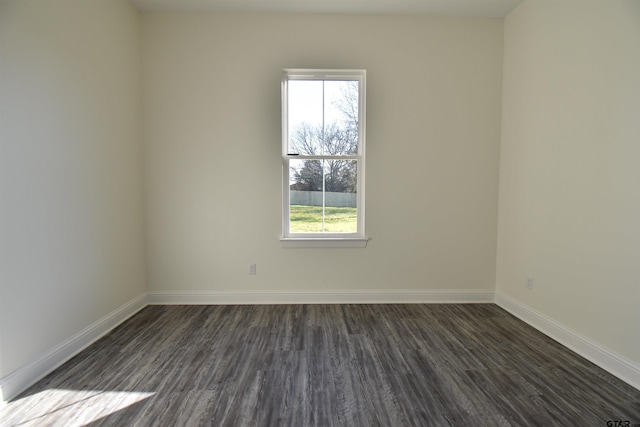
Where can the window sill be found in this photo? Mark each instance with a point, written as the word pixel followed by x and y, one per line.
pixel 337 242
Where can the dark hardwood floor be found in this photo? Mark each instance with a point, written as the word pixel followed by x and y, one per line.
pixel 325 365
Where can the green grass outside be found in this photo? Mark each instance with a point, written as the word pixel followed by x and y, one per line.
pixel 308 219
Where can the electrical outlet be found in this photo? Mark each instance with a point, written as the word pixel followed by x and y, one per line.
pixel 529 284
pixel 252 269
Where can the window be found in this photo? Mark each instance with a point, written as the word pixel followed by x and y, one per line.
pixel 323 147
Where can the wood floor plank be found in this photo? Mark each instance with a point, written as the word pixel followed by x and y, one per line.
pixel 325 365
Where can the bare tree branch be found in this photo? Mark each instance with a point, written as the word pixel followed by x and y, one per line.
pixel 337 138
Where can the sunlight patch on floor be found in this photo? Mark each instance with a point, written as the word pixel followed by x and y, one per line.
pixel 69 407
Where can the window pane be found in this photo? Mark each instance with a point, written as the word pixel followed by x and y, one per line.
pixel 305 196
pixel 341 100
pixel 314 209
pixel 340 201
pixel 305 116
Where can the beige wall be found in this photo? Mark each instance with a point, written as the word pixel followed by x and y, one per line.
pixel 70 170
pixel 212 151
pixel 569 210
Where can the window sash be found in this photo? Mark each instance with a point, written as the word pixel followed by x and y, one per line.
pixel 359 210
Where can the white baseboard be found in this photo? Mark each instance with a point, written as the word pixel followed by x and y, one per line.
pixel 327 297
pixel 623 368
pixel 22 378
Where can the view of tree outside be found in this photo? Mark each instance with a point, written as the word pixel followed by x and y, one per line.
pixel 323 121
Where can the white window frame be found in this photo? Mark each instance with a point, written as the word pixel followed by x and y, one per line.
pixel 358 238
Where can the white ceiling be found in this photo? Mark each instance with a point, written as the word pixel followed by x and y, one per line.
pixel 489 8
